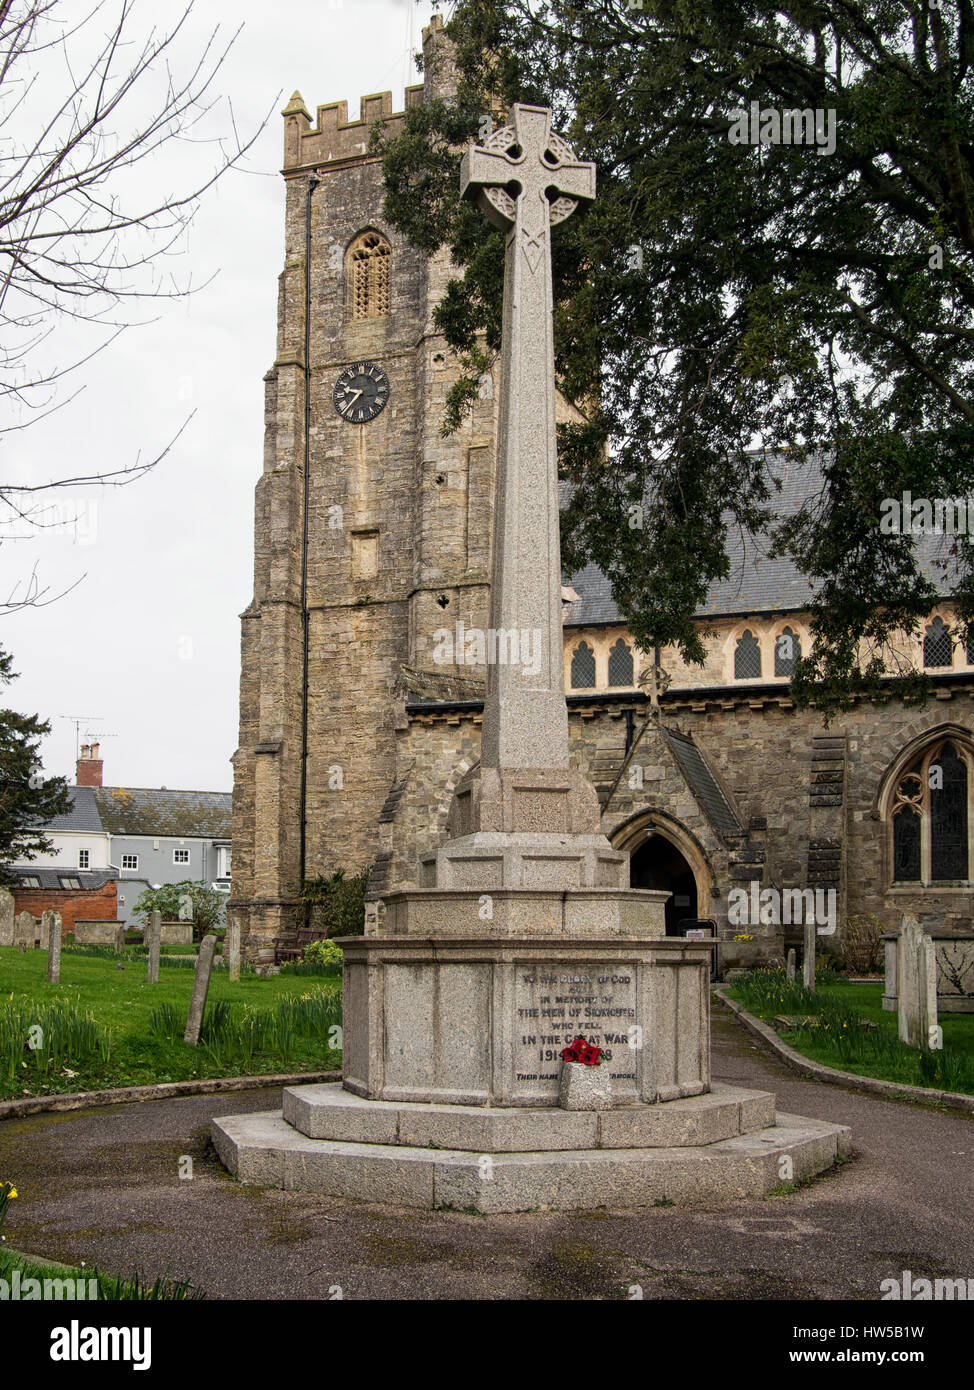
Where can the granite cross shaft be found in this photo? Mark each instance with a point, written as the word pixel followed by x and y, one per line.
pixel 525 179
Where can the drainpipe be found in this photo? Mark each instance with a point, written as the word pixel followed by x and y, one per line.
pixel 313 182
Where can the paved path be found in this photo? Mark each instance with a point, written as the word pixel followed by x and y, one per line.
pixel 103 1186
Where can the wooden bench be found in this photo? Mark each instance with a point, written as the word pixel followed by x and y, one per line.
pixel 288 948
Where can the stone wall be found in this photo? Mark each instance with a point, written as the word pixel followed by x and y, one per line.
pixel 806 797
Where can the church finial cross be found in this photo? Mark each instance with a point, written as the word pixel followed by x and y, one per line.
pixel 550 179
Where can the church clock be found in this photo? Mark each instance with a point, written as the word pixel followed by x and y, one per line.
pixel 361 392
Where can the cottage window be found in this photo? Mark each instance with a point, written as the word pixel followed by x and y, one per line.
pixel 84 856
pixel 130 861
pixel 180 856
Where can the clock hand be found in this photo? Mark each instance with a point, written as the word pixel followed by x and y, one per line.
pixel 354 396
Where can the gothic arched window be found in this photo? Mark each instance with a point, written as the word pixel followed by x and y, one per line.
pixel 747 657
pixel 583 667
pixel 930 818
pixel 787 650
pixel 620 663
pixel 368 273
pixel 938 649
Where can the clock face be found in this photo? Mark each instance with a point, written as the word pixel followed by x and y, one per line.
pixel 361 392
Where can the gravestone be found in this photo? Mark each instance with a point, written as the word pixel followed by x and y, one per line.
pixel 100 933
pixel 152 965
pixel 524 932
pixel 6 917
pixel 176 933
pixel 51 921
pixel 231 945
pixel 808 960
pixel 26 930
pixel 916 973
pixel 201 987
pixel 790 964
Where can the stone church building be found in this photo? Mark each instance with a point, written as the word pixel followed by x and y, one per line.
pixel 371 572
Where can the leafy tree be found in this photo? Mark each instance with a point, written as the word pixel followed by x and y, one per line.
pixel 336 904
pixel 723 298
pixel 187 901
pixel 27 800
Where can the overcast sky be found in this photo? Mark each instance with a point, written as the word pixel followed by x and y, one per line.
pixel 146 646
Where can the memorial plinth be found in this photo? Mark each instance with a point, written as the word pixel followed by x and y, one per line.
pixel 524 933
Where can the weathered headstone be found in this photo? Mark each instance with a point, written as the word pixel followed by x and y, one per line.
pixel 6 917
pixel 52 922
pixel 231 945
pixel 201 986
pixel 26 930
pixel 790 964
pixel 808 963
pixel 154 933
pixel 916 976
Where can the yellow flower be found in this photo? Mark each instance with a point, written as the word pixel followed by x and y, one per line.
pixel 12 1192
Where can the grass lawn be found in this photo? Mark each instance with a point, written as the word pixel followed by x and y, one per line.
pixel 838 1041
pixel 287 1021
pixel 65 1282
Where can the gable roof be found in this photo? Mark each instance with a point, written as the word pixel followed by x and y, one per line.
pixel 699 777
pixel 757 582
pixel 82 817
pixel 161 812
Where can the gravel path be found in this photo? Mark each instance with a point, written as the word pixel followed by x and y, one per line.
pixel 103 1186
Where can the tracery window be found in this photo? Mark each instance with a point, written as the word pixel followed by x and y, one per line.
pixel 787 650
pixel 620 663
pixel 747 657
pixel 938 649
pixel 930 818
pixel 368 266
pixel 583 667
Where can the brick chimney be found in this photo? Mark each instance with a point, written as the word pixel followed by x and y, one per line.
pixel 89 766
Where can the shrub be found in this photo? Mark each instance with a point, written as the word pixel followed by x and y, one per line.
pixel 184 902
pixel 323 953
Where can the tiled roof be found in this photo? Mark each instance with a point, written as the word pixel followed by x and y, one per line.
pixel 757 582
pixel 183 814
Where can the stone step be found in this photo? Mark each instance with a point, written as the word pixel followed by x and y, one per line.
pixel 328 1111
pixel 264 1150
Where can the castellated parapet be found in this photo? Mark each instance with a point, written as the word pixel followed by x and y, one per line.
pixel 335 138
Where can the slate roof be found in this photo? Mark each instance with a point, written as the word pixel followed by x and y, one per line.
pixel 757 583
pixel 153 811
pixel 91 879
pixel 702 783
pixel 83 815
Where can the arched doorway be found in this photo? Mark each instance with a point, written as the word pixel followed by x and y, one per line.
pixel 659 864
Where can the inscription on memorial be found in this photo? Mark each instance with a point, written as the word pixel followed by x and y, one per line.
pixel 555 1004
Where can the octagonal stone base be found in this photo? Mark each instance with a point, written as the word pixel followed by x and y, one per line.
pixel 715 1148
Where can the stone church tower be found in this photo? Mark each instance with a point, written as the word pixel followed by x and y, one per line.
pixel 370 534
